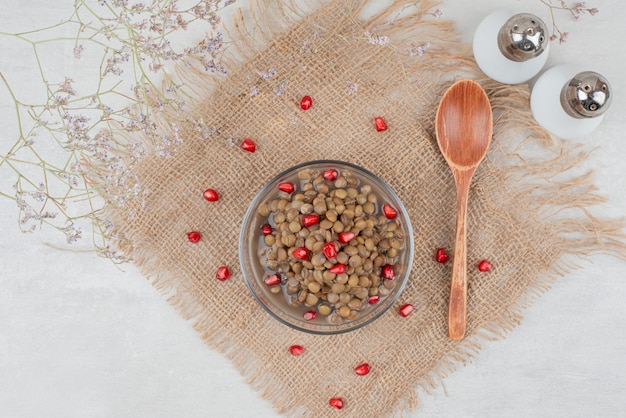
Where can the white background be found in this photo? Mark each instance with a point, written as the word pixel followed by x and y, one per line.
pixel 79 337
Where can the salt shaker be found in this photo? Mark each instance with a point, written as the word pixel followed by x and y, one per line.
pixel 511 47
pixel 570 103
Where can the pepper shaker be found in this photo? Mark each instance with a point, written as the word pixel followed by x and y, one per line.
pixel 570 103
pixel 511 48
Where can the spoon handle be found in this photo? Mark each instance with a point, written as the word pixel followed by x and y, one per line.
pixel 457 309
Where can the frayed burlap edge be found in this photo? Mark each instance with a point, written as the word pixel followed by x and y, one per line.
pixel 576 237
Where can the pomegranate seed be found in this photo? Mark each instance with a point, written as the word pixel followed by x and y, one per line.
pixel 286 187
pixel 441 256
pixel 346 237
pixel 194 237
pixel 301 253
pixel 248 145
pixel 273 280
pixel 296 350
pixel 390 212
pixel 310 220
pixel 309 315
pixel 380 123
pixel 372 300
pixel 485 266
pixel 405 310
pixel 338 269
pixel 222 274
pixel 387 272
pixel 211 195
pixel 306 103
pixel 336 403
pixel 267 229
pixel 330 250
pixel 330 175
pixel 362 369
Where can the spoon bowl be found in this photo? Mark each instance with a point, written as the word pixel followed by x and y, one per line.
pixel 464 127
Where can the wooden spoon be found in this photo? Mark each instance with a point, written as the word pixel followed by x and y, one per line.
pixel 464 128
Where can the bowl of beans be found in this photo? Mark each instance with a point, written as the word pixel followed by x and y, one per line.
pixel 326 247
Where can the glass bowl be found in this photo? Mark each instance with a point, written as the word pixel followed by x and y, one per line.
pixel 319 278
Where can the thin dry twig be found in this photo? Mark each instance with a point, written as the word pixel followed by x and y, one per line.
pixel 575 11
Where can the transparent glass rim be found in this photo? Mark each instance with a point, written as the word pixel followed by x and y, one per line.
pixel 280 315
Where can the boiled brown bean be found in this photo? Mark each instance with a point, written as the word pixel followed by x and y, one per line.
pixel 342 205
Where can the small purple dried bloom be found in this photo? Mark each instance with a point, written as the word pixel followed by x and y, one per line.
pixel 418 48
pixel 377 39
pixel 280 89
pixel 352 88
pixel 266 75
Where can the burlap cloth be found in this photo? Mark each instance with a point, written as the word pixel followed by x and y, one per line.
pixel 525 215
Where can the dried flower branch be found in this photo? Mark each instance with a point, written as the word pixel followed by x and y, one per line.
pixel 136 43
pixel 576 11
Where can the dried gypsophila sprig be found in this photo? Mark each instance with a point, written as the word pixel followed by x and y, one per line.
pixel 136 42
pixel 417 48
pixel 575 11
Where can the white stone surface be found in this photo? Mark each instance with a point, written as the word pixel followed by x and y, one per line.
pixel 80 337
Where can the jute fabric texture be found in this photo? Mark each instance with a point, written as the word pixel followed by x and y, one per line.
pixel 527 215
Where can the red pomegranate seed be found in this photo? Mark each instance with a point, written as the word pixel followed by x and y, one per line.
pixel 310 220
pixel 194 237
pixel 338 269
pixel 405 310
pixel 485 266
pixel 330 250
pixel 211 195
pixel 336 403
pixel 248 145
pixel 273 280
pixel 267 229
pixel 301 253
pixel 296 350
pixel 372 300
pixel 390 212
pixel 362 369
pixel 380 123
pixel 346 237
pixel 309 315
pixel 222 274
pixel 286 187
pixel 306 103
pixel 330 175
pixel 387 272
pixel 441 256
